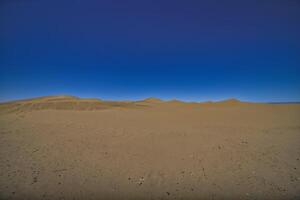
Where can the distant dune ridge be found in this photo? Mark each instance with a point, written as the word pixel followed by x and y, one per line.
pixel 62 103
pixel 66 102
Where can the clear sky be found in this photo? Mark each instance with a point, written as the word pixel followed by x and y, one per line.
pixel 189 50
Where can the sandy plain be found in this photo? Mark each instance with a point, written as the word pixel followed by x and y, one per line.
pixel 63 147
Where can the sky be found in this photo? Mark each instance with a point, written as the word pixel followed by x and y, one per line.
pixel 128 50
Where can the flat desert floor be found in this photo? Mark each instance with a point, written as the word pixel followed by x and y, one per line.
pixel 149 150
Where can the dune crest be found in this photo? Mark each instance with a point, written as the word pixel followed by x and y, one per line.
pixel 231 101
pixel 62 103
pixel 152 100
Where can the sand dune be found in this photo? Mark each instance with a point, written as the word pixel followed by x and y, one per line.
pixel 63 103
pixel 152 100
pixel 75 103
pixel 65 147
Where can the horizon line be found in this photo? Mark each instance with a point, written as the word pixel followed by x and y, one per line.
pixel 150 97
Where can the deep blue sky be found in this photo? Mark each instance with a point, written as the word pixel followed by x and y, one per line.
pixel 189 50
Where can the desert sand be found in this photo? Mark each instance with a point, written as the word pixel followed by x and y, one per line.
pixel 64 147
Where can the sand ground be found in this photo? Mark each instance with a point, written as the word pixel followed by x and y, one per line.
pixel 162 151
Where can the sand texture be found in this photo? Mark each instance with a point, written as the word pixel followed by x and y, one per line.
pixel 63 147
